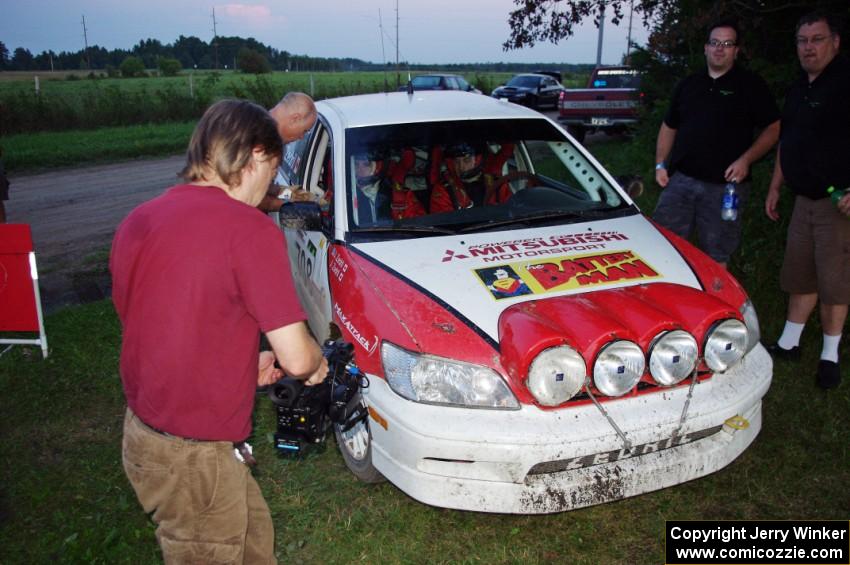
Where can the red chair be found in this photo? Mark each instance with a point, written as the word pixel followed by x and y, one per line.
pixel 20 301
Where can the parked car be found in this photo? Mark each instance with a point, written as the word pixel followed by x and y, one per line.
pixel 609 103
pixel 532 90
pixel 553 351
pixel 440 82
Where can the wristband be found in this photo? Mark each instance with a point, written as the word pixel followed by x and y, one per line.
pixel 660 166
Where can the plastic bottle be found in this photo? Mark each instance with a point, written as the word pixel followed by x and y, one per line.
pixel 837 193
pixel 729 207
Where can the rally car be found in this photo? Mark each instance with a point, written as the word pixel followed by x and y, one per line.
pixel 542 351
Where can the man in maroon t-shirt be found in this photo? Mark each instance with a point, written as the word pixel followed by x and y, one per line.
pixel 198 273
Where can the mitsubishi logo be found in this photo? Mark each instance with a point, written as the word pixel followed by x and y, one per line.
pixel 451 255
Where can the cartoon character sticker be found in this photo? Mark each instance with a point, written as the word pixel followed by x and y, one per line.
pixel 503 282
pixel 564 273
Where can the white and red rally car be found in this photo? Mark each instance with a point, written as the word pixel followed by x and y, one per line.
pixel 550 350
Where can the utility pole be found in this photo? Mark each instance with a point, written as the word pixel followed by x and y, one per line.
pixel 601 30
pixel 215 39
pixel 383 53
pixel 629 39
pixel 86 43
pixel 397 75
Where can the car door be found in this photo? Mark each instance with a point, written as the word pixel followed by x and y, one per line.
pixel 311 163
pixel 549 91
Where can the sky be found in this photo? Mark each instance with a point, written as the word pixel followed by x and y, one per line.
pixel 429 31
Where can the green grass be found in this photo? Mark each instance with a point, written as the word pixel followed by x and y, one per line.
pixel 32 151
pixel 64 497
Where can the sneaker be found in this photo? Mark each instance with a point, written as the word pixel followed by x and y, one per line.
pixel 829 375
pixel 780 353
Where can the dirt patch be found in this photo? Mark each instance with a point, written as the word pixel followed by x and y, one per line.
pixel 73 214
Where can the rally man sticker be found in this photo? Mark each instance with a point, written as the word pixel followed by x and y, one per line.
pixel 555 274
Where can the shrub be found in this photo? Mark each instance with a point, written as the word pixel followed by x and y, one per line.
pixel 132 67
pixel 169 67
pixel 250 61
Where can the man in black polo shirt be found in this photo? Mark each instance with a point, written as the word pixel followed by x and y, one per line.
pixel 812 156
pixel 706 140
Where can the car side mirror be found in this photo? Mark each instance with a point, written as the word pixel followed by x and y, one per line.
pixel 632 184
pixel 305 216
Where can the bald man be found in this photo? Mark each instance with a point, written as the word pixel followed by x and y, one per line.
pixel 295 115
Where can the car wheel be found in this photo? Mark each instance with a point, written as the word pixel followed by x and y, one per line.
pixel 356 448
pixel 577 132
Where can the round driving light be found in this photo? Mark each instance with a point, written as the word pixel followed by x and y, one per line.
pixel 673 357
pixel 618 368
pixel 556 375
pixel 726 345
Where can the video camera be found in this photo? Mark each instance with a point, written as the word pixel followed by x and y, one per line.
pixel 306 413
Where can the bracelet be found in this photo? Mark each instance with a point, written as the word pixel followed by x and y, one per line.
pixel 660 166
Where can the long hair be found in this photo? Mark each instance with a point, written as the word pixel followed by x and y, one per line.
pixel 224 139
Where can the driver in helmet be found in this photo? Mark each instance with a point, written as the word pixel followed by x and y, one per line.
pixel 380 193
pixel 471 178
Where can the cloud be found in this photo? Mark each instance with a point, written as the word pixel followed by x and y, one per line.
pixel 256 13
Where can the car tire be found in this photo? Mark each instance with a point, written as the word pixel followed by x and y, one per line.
pixel 355 445
pixel 577 132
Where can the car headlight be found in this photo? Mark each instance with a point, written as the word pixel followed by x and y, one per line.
pixel 673 357
pixel 751 320
pixel 618 367
pixel 556 375
pixel 725 345
pixel 436 380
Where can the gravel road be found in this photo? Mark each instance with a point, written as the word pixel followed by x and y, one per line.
pixel 73 214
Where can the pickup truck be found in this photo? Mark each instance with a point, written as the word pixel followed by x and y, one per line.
pixel 609 102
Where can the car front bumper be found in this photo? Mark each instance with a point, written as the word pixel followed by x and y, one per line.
pixel 474 459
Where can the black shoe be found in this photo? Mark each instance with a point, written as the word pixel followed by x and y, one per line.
pixel 829 375
pixel 780 353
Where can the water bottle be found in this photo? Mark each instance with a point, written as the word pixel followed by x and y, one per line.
pixel 837 193
pixel 729 207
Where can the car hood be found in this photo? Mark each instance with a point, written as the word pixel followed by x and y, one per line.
pixel 479 276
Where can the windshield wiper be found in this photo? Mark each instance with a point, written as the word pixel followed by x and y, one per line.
pixel 548 215
pixel 404 229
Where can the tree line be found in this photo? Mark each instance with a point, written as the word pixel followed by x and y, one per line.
pixel 223 52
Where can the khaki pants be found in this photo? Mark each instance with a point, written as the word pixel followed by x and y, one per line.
pixel 207 506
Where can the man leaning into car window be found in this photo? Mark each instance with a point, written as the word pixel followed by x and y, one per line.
pixel 294 115
pixel 198 273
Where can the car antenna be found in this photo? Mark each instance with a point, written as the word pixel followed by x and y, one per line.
pixel 409 85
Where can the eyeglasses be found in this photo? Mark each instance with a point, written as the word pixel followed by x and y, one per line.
pixel 715 43
pixel 815 40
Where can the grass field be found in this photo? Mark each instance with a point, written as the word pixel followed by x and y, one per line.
pixel 64 497
pixel 84 104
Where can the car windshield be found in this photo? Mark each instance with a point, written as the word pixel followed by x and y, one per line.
pixel 524 81
pixel 470 175
pixel 618 78
pixel 423 82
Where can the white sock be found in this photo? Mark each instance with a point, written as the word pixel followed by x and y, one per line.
pixel 830 348
pixel 790 335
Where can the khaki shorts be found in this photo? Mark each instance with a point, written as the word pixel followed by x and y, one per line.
pixel 207 506
pixel 817 252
